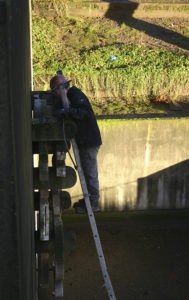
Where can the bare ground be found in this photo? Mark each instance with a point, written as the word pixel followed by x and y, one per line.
pixel 169 33
pixel 147 258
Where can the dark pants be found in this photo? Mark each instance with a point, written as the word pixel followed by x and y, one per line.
pixel 88 158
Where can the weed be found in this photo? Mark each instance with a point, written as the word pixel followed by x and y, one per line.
pixel 83 50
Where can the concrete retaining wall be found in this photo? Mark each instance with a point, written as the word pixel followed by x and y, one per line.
pixel 143 164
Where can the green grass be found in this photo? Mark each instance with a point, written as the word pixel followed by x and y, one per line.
pixel 82 48
pixel 183 8
pixel 72 1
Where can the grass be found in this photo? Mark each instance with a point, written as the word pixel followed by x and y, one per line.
pixel 183 8
pixel 72 1
pixel 162 1
pixel 83 49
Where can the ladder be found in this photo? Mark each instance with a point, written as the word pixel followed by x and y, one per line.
pixel 107 282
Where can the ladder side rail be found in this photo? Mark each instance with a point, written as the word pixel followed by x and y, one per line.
pixel 91 217
pixel 92 221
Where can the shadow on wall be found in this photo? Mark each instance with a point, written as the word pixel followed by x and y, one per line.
pixel 168 188
pixel 116 13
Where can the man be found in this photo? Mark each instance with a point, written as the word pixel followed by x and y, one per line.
pixel 88 137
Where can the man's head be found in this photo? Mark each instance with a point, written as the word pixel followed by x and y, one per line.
pixel 57 80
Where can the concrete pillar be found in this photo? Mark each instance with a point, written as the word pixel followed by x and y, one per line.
pixel 16 196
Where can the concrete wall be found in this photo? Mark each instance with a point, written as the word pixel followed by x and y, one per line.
pixel 16 197
pixel 143 164
pixel 168 188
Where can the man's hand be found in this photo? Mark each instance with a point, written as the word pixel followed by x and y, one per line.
pixel 61 112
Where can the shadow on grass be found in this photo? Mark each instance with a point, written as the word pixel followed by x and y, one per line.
pixel 116 13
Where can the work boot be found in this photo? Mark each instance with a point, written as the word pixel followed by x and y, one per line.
pixel 80 207
pixel 95 206
pixel 81 202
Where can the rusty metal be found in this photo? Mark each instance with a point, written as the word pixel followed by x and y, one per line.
pixel 55 182
pixel 44 215
pixel 58 244
pixel 49 199
pixel 43 162
pixel 43 266
pixel 60 162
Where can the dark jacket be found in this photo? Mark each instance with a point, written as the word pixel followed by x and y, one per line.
pixel 88 133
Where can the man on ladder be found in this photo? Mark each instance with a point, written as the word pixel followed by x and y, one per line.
pixel 75 104
pixel 88 137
